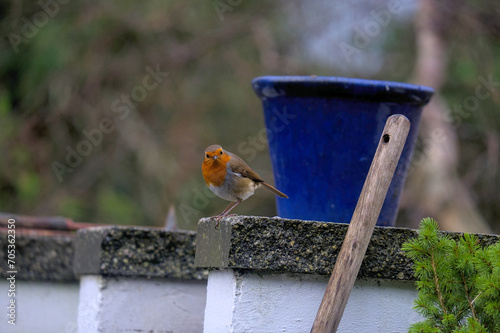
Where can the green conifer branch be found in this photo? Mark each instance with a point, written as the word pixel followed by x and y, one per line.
pixel 458 282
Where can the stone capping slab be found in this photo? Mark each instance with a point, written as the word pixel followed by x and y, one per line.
pixel 136 252
pixel 40 257
pixel 284 245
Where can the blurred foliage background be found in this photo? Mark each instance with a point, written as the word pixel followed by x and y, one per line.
pixel 67 66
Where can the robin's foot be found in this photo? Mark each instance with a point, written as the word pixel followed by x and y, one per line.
pixel 219 217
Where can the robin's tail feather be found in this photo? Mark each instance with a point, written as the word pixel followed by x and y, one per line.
pixel 275 191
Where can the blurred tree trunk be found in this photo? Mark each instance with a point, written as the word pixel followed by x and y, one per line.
pixel 437 191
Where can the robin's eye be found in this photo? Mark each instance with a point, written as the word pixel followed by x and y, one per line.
pixel 207 156
pixel 221 152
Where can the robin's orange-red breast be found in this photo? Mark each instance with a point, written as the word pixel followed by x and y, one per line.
pixel 230 178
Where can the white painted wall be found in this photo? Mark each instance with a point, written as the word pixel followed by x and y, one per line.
pixel 141 305
pixel 42 307
pixel 263 302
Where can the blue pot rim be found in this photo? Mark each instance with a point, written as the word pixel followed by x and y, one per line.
pixel 341 87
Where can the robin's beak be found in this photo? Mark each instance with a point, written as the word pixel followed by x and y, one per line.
pixel 215 157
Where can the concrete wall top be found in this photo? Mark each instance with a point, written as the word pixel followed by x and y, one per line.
pixel 40 257
pixel 284 245
pixel 136 252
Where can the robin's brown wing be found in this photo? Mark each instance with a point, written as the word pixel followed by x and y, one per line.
pixel 239 166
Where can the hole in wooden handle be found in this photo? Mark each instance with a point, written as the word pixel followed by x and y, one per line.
pixel 386 138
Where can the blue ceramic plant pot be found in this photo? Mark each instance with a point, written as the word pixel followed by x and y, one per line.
pixel 323 133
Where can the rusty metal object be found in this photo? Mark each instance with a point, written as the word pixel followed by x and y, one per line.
pixel 59 223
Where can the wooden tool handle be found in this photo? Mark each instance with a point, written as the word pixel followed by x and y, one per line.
pixel 362 224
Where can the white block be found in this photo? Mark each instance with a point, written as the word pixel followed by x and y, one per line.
pixel 140 305
pixel 265 302
pixel 42 307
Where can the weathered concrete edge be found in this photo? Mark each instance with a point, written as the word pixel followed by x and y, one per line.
pixel 87 250
pixel 284 245
pixel 136 252
pixel 212 245
pixel 40 257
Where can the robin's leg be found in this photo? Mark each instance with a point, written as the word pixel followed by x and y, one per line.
pixel 227 210
pixel 221 215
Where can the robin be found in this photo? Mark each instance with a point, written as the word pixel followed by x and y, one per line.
pixel 230 178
